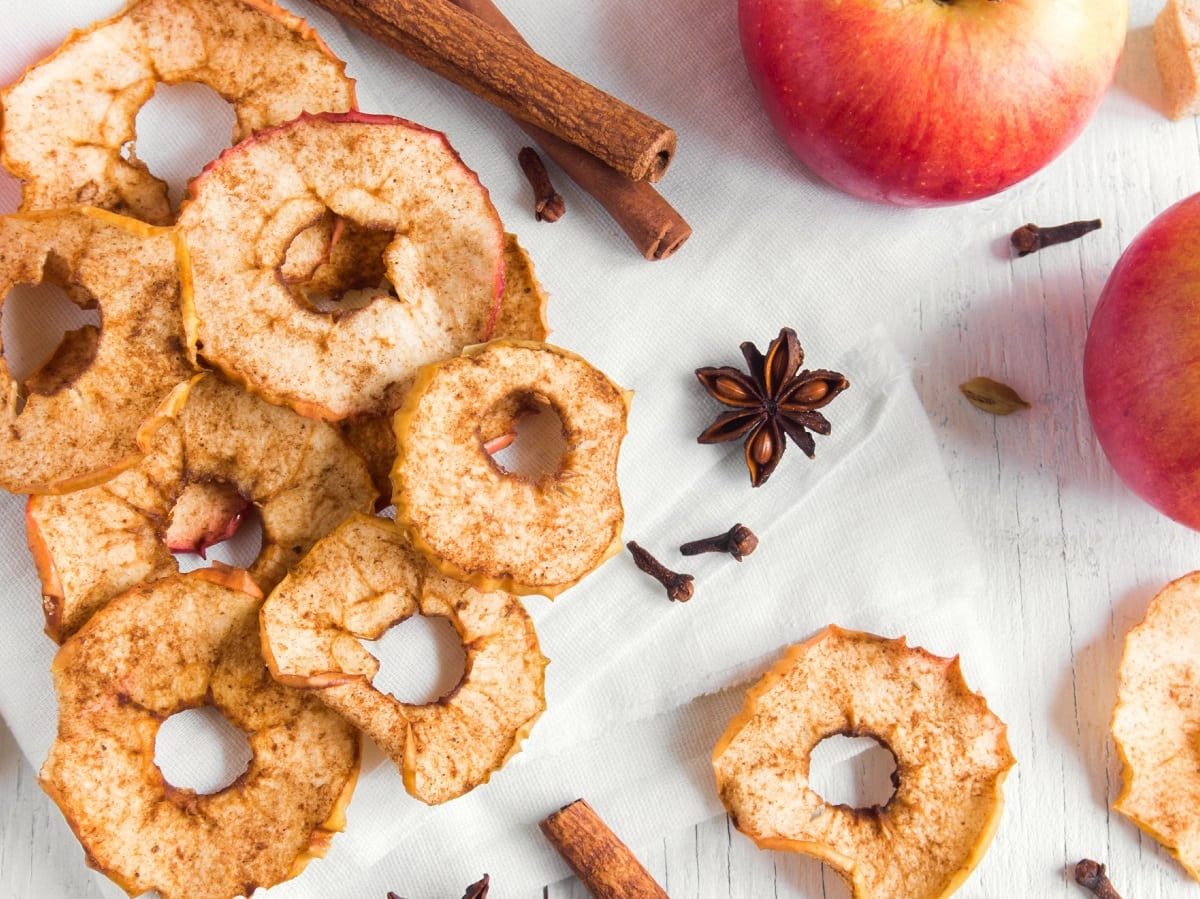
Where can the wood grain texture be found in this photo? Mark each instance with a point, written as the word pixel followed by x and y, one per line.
pixel 1071 559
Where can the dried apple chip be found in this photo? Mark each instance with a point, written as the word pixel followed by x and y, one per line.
pixel 480 523
pixel 951 756
pixel 68 124
pixel 300 474
pixel 1156 724
pixel 522 316
pixel 74 421
pixel 355 584
pixel 178 643
pixel 257 226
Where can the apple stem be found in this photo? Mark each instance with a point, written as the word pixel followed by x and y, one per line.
pixel 1030 238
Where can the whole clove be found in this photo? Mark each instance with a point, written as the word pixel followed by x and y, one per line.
pixel 548 205
pixel 1031 238
pixel 1091 876
pixel 738 541
pixel 679 586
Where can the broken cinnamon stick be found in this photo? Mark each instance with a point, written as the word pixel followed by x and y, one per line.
pixel 652 223
pixel 602 862
pixel 504 71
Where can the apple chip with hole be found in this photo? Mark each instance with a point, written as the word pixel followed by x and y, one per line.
pixel 355 584
pixel 331 257
pixel 951 754
pixel 223 446
pixel 480 523
pixel 522 316
pixel 1156 724
pixel 68 124
pixel 74 421
pixel 178 643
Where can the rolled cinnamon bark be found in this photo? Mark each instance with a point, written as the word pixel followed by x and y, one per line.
pixel 505 72
pixel 652 223
pixel 602 862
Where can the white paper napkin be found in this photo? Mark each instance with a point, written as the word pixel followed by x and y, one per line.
pixel 866 535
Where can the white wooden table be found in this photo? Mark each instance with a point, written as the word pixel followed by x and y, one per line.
pixel 1071 558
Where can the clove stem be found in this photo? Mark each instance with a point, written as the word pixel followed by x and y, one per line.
pixel 1031 238
pixel 738 541
pixel 679 586
pixel 1090 875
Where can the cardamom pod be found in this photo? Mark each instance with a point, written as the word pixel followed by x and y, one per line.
pixel 992 396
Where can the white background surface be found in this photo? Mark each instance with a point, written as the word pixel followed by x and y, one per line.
pixel 1070 558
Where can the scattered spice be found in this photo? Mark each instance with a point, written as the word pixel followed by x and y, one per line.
pixel 605 865
pixel 992 396
pixel 477 890
pixel 679 586
pixel 1030 238
pixel 738 541
pixel 548 206
pixel 771 402
pixel 1090 874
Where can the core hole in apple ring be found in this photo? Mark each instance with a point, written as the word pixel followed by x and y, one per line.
pixel 335 265
pixel 533 442
pixel 421 659
pixel 199 750
pixel 854 771
pixel 49 336
pixel 180 129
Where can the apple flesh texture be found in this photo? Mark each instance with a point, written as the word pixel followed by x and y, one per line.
pixel 930 102
pixel 1141 366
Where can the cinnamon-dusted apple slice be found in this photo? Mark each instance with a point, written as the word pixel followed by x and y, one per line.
pixel 74 421
pixel 522 316
pixel 443 261
pixel 68 124
pixel 485 525
pixel 300 474
pixel 1156 723
pixel 951 755
pixel 174 644
pixel 356 583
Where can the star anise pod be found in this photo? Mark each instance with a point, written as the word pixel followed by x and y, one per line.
pixel 775 400
pixel 477 890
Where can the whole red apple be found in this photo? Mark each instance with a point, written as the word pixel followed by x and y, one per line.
pixel 1141 366
pixel 928 102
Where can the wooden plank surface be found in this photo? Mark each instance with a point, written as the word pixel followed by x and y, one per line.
pixel 1071 559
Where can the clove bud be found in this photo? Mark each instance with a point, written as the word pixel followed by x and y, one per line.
pixel 1031 238
pixel 679 586
pixel 738 541
pixel 548 205
pixel 1091 876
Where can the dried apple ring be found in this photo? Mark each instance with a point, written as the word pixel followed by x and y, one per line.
pixel 300 474
pixel 951 755
pixel 1156 723
pixel 74 422
pixel 522 316
pixel 356 583
pixel 443 261
pixel 479 523
pixel 178 643
pixel 69 122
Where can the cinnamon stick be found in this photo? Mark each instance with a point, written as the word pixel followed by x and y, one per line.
pixel 652 223
pixel 505 72
pixel 603 863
